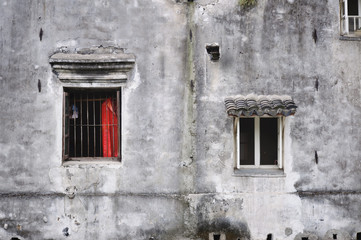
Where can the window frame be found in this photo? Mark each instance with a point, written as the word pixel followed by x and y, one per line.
pixel 118 91
pixel 345 19
pixel 257 161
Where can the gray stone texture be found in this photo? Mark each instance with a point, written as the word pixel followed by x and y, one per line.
pixel 176 179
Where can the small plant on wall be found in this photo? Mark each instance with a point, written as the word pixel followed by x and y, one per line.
pixel 247 3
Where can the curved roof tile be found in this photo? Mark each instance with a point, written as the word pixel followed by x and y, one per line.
pixel 253 105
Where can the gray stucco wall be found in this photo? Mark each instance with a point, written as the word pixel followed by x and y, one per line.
pixel 176 178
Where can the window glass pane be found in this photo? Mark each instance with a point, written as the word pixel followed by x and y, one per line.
pixel 246 141
pixel 353 7
pixel 268 141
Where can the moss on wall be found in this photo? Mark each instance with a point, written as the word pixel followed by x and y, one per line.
pixel 247 2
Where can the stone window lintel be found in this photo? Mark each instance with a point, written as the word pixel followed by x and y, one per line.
pixel 94 68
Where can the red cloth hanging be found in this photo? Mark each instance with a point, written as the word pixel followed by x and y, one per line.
pixel 109 129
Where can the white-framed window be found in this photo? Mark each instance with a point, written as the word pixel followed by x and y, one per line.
pixel 350 13
pixel 260 142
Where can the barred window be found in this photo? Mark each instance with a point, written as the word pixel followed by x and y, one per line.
pixel 91 124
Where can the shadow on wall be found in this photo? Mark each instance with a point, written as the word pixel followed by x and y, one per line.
pixel 214 223
pixel 231 229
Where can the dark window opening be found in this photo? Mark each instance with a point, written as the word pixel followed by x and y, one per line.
pixel 358 236
pixel 269 236
pixel 213 51
pixel 247 141
pixel 304 238
pixel 353 7
pixel 91 124
pixel 334 236
pixel 216 236
pixel 354 23
pixel 268 141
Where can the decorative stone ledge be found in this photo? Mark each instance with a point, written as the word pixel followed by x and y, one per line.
pixel 92 66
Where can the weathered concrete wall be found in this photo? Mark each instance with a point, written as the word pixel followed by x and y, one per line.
pixel 271 49
pixel 176 177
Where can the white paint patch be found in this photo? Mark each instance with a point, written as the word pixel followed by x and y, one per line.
pixel 109 185
pixel 133 220
pixel 210 99
pixel 4 149
pixel 281 10
pixel 291 1
pixel 217 180
pixel 207 2
pixel 280 13
pixel 136 80
pixel 244 38
pixel 68 43
pixel 292 177
pixel 55 177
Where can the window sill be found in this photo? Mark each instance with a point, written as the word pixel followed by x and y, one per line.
pixel 350 38
pixel 91 163
pixel 259 172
